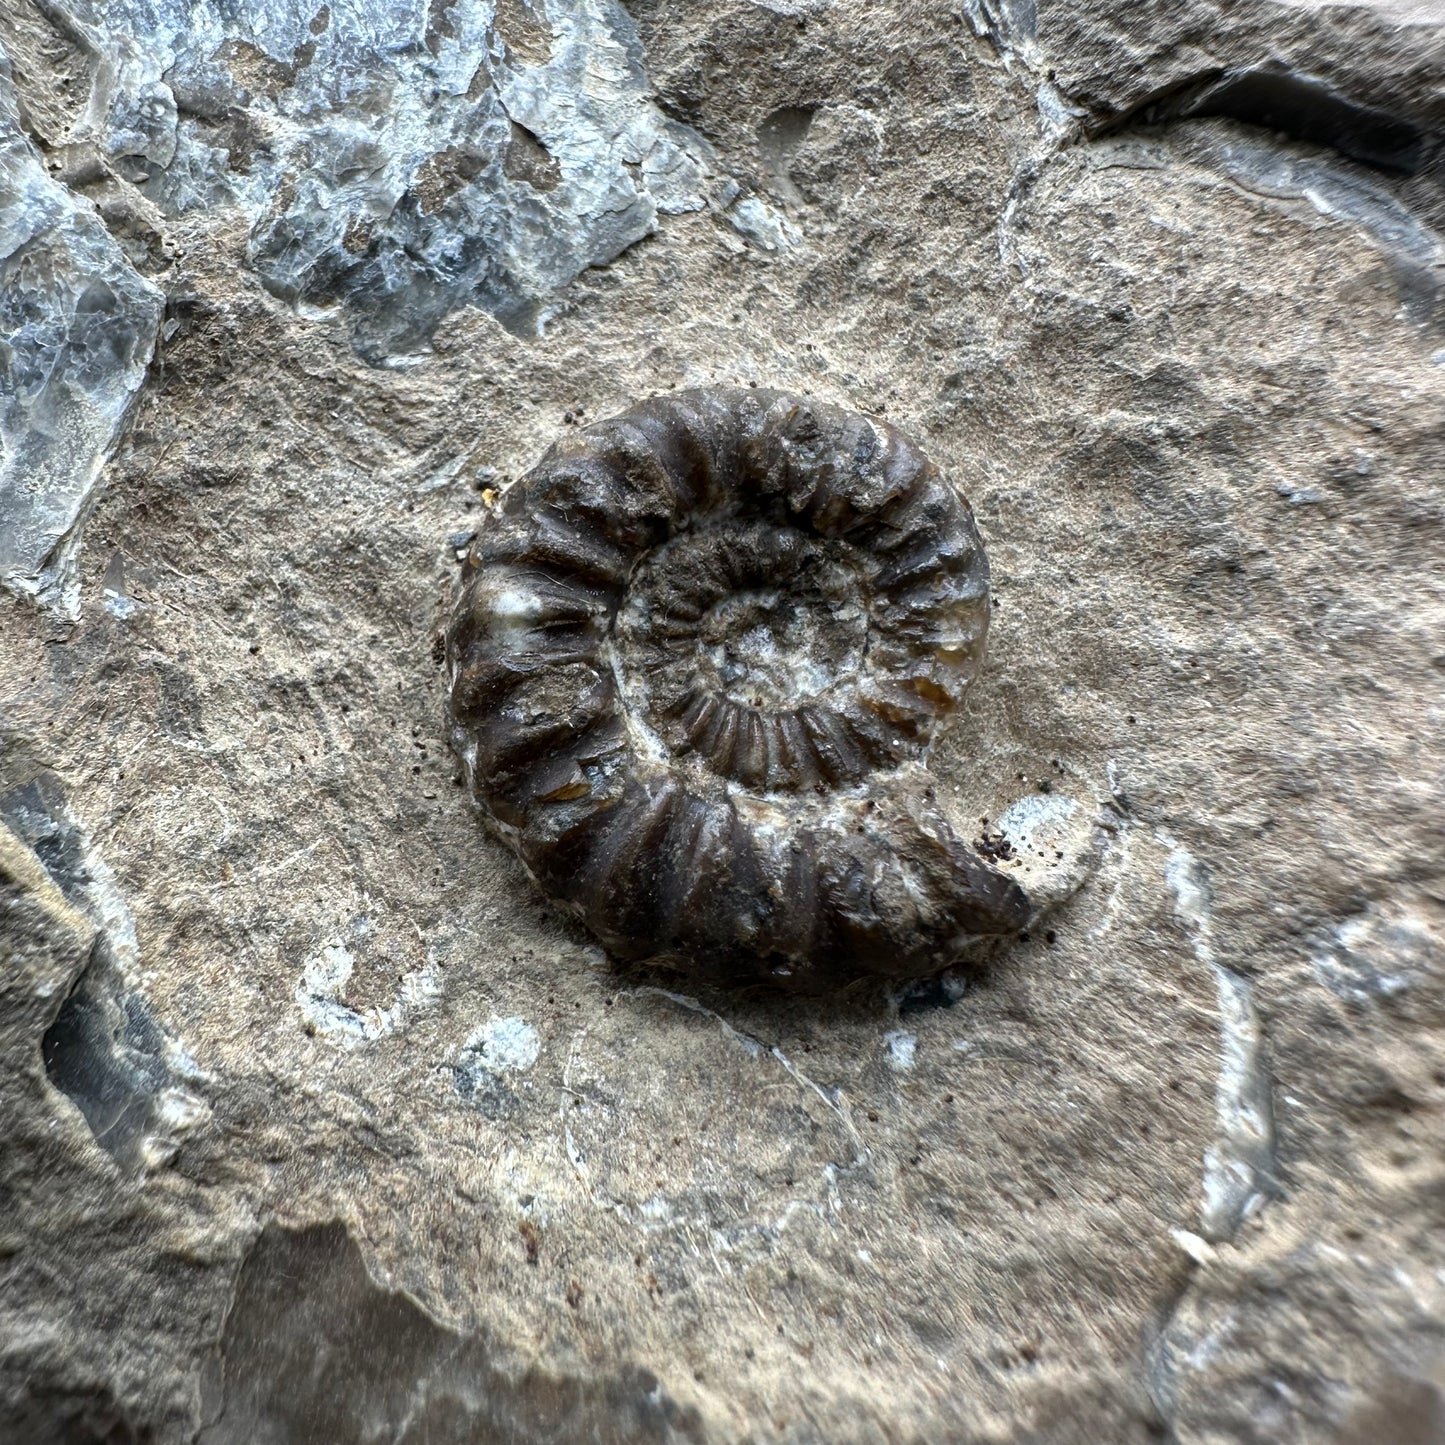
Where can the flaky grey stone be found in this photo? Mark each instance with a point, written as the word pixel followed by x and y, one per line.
pixel 404 160
pixel 78 325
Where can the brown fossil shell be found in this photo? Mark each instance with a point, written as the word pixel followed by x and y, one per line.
pixel 700 657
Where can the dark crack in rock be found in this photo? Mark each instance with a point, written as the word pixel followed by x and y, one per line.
pixel 1302 107
pixel 104 1049
pixel 107 1052
pixel 54 1394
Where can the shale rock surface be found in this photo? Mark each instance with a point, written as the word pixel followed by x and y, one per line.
pixel 318 1117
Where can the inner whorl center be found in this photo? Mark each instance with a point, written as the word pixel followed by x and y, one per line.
pixel 726 630
pixel 773 648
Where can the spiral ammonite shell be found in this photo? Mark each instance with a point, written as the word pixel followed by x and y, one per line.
pixel 699 660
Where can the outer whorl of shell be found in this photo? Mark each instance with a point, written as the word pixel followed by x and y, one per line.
pixel 700 657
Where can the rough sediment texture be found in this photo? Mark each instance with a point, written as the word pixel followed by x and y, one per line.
pixel 291 1048
pixel 694 656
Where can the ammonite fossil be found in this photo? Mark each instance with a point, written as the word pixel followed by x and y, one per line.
pixel 700 658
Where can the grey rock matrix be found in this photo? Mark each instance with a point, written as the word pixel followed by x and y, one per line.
pixel 319 1123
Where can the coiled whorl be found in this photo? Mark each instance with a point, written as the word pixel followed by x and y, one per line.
pixel 699 660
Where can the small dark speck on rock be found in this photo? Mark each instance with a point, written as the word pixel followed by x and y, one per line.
pixel 531 1240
